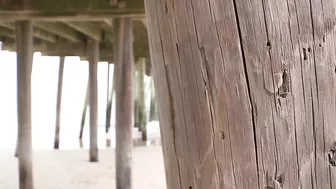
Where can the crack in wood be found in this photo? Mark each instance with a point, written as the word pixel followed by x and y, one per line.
pixel 305 57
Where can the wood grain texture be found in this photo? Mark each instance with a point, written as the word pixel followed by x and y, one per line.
pixel 124 105
pixel 93 54
pixel 215 64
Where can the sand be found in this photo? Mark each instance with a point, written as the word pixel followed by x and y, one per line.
pixel 70 169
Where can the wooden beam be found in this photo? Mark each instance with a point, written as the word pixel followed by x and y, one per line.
pixel 78 49
pixel 60 29
pixel 144 22
pixel 86 28
pixel 70 15
pixel 124 109
pixel 24 66
pixel 93 58
pixel 108 22
pixel 37 33
pixel 61 10
pixel 5 32
pixel 66 5
pixel 59 102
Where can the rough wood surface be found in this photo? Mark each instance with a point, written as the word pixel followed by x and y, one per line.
pixel 59 103
pixel 224 121
pixel 24 67
pixel 124 105
pixel 93 54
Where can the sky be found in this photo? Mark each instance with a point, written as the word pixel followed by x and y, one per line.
pixel 44 91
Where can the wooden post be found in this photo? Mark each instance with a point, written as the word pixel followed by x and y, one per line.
pixel 86 104
pixel 246 92
pixel 24 66
pixel 108 101
pixel 153 107
pixel 110 93
pixel 141 65
pixel 93 54
pixel 135 99
pixel 59 102
pixel 124 102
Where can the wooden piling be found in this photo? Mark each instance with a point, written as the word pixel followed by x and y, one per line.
pixel 110 93
pixel 153 107
pixel 24 66
pixel 108 101
pixel 86 104
pixel 124 102
pixel 141 67
pixel 59 103
pixel 93 58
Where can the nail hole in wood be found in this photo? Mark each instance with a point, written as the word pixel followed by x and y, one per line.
pixel 323 38
pixel 190 187
pixel 309 49
pixel 269 45
pixel 320 45
pixel 305 57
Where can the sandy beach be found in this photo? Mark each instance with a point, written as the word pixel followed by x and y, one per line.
pixel 70 169
pixel 66 169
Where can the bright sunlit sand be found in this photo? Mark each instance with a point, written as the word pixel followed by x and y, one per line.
pixel 70 169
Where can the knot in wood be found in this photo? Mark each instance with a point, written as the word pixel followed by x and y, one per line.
pixel 332 154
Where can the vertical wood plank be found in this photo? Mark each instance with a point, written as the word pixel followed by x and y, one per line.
pixel 59 103
pixel 124 105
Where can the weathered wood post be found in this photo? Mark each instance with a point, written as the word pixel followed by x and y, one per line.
pixel 93 58
pixel 86 104
pixel 246 92
pixel 135 101
pixel 108 101
pixel 59 103
pixel 153 106
pixel 124 105
pixel 141 68
pixel 110 93
pixel 24 47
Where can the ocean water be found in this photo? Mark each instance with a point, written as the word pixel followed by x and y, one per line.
pixel 44 91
